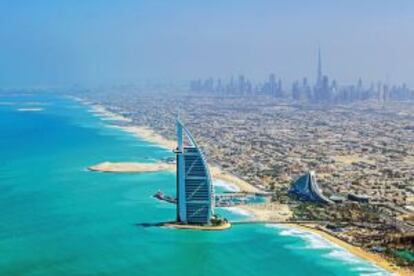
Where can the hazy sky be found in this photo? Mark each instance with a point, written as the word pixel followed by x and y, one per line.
pixel 63 42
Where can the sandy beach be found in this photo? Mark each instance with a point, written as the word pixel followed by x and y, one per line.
pixel 268 211
pixel 217 173
pixel 149 135
pixel 101 111
pixel 374 258
pixel 131 167
pixel 108 115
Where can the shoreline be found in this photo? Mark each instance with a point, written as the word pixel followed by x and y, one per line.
pixel 269 211
pixel 130 167
pixel 148 134
pixel 374 258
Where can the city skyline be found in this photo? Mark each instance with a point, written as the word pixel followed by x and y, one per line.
pixel 321 89
pixel 92 43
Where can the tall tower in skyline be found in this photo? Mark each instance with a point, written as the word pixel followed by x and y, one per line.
pixel 319 73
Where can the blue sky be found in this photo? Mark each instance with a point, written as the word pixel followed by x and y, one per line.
pixel 91 42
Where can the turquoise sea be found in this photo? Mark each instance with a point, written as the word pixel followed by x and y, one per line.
pixel 57 218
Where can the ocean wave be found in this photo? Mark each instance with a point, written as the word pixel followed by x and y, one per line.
pixel 343 255
pixel 225 185
pixel 369 270
pixel 31 109
pixel 358 265
pixel 315 241
pixel 291 232
pixel 114 117
pixel 312 240
pixel 106 115
pixel 361 266
pixel 239 211
pixel 379 273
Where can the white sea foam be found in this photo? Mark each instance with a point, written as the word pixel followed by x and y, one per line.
pixel 343 255
pixel 239 211
pixel 31 109
pixel 225 185
pixel 378 273
pixel 315 241
pixel 368 270
pixel 362 266
pixel 107 115
pixel 365 269
pixel 290 231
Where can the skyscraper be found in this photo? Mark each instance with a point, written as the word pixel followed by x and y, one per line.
pixel 195 194
pixel 319 73
pixel 322 91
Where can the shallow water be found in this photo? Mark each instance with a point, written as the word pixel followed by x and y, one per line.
pixel 60 219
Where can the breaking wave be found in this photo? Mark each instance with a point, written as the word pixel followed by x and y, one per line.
pixel 239 211
pixel 225 185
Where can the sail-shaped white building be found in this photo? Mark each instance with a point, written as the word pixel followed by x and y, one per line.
pixel 195 193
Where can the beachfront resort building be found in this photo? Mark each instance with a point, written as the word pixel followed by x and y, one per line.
pixel 307 189
pixel 195 196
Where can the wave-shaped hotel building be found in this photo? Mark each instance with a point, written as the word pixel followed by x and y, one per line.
pixel 307 189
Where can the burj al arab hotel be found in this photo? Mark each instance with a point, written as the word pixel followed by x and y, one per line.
pixel 195 193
